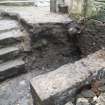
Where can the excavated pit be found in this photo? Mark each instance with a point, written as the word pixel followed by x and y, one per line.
pixel 51 46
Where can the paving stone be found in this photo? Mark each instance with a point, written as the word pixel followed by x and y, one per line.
pixel 9 53
pixel 56 86
pixel 11 68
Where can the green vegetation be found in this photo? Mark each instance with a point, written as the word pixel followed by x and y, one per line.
pixel 91 9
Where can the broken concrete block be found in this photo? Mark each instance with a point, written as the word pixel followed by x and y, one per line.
pixel 56 87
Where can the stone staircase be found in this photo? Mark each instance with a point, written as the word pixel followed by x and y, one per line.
pixel 11 60
pixel 16 2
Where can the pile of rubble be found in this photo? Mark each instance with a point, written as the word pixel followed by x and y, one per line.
pixel 93 94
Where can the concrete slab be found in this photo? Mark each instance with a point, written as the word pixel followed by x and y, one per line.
pixel 56 87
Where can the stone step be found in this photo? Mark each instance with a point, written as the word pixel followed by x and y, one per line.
pixel 6 25
pixel 11 68
pixel 17 3
pixel 56 87
pixel 9 53
pixel 11 37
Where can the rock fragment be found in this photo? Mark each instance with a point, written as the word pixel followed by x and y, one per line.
pixel 82 101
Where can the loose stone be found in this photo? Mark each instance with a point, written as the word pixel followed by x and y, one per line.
pixel 79 96
pixel 69 103
pixel 102 89
pixel 95 98
pixel 82 101
pixel 101 99
pixel 87 93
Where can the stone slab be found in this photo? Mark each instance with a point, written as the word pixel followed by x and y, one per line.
pixel 11 68
pixel 33 15
pixel 11 34
pixel 6 25
pixel 9 53
pixel 10 37
pixel 54 88
pixel 17 3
